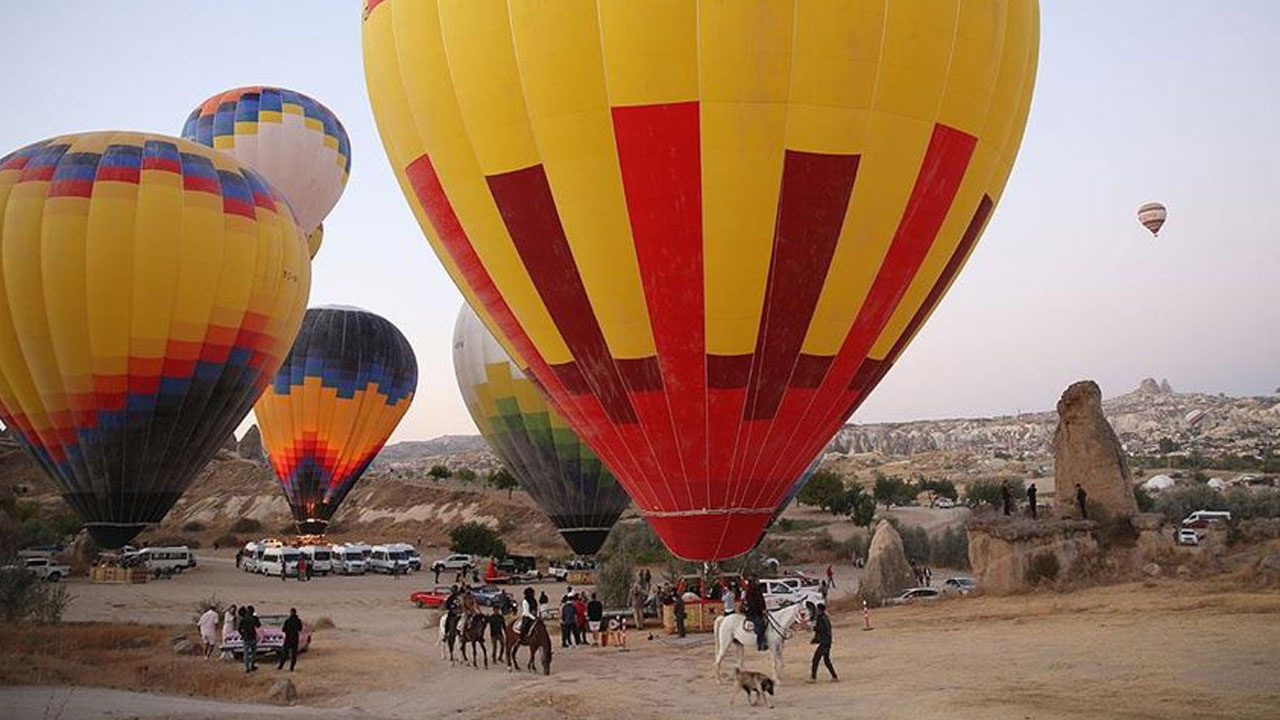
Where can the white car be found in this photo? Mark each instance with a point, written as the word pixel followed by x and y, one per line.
pixel 455 563
pixel 1188 536
pixel 280 560
pixel 961 584
pixel 166 559
pixel 319 557
pixel 915 595
pixel 945 503
pixel 388 559
pixel 780 593
pixel 347 560
pixel 42 567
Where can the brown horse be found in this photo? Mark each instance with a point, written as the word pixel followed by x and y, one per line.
pixel 472 633
pixel 538 639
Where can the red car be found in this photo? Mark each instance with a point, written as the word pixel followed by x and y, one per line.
pixel 431 598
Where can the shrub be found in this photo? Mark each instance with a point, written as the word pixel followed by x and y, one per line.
pixel 613 581
pixel 476 538
pixel 24 597
pixel 1043 567
pixel 192 526
pixel 227 540
pixel 34 531
pixel 440 472
pixel 246 525
pixel 466 475
pixel 950 549
pixel 1145 502
pixel 66 524
pixel 988 491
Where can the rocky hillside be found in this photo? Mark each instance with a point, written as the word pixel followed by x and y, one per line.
pixel 1208 424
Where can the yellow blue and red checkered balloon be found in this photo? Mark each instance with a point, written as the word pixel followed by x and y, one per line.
pixel 149 289
pixel 295 142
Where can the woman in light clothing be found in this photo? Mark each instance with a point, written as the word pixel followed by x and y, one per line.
pixel 228 627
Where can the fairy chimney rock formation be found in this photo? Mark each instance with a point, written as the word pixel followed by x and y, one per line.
pixel 251 446
pixel 1086 451
pixel 887 572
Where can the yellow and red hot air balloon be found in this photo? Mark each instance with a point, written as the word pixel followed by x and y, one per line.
pixel 342 390
pixel 707 228
pixel 293 140
pixel 149 289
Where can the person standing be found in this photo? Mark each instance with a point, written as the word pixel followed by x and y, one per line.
pixel 638 598
pixel 1006 496
pixel 1031 499
pixel 821 638
pixel 239 557
pixel 822 589
pixel 208 624
pixel 729 596
pixel 542 597
pixel 436 569
pixel 755 610
pixel 568 618
pixel 292 629
pixel 580 620
pixel 677 611
pixel 595 616
pixel 302 568
pixel 1082 499
pixel 228 626
pixel 831 577
pixel 249 624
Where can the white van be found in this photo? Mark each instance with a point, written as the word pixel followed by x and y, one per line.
pixel 251 555
pixel 411 555
pixel 166 559
pixel 347 560
pixel 388 559
pixel 1202 518
pixel 319 557
pixel 279 560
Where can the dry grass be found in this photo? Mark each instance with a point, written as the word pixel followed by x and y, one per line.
pixel 123 656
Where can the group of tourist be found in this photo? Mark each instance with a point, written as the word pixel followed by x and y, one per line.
pixel 580 619
pixel 243 622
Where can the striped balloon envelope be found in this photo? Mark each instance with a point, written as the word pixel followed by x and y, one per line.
pixel 342 390
pixel 149 289
pixel 294 141
pixel 548 459
pixel 707 228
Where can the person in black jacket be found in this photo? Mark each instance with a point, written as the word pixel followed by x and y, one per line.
pixel 755 609
pixel 678 612
pixel 292 629
pixel 595 617
pixel 248 628
pixel 821 638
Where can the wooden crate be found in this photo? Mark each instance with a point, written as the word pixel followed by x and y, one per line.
pixel 700 616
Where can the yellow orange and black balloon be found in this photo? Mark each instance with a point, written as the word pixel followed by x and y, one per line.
pixel 340 393
pixel 707 228
pixel 149 289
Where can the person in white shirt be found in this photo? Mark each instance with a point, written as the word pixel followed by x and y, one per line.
pixel 228 626
pixel 528 613
pixel 209 630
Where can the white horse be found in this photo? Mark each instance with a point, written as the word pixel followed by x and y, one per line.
pixel 731 630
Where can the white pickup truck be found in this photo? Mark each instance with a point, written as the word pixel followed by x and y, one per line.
pixel 43 568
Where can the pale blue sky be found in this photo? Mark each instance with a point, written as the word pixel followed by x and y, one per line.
pixel 1171 100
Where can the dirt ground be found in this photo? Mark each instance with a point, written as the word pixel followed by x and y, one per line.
pixel 1159 649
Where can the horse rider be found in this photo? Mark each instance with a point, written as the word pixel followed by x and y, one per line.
pixel 451 607
pixel 757 612
pixel 528 613
pixel 468 603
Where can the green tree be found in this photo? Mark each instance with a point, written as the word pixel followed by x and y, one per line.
pixel 859 505
pixel 988 491
pixel 938 489
pixel 892 490
pixel 824 490
pixel 466 475
pixel 440 472
pixel 1168 445
pixel 503 480
pixel 476 538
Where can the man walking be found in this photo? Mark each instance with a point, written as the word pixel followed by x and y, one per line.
pixel 821 638
pixel 249 624
pixel 1031 499
pixel 292 629
pixel 209 630
pixel 1082 499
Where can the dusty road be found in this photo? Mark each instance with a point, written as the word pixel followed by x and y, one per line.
pixel 1163 649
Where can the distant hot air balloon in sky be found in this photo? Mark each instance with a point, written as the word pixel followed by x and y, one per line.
pixel 294 141
pixel 537 446
pixel 149 289
pixel 1152 216
pixel 707 229
pixel 344 387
